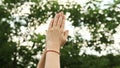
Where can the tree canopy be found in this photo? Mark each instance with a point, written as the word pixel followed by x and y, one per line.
pixel 102 24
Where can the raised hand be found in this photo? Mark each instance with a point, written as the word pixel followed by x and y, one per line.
pixel 56 36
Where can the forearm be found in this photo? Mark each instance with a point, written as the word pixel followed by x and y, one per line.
pixel 41 63
pixel 56 37
pixel 52 59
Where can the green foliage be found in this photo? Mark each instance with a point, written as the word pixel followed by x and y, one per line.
pixel 13 54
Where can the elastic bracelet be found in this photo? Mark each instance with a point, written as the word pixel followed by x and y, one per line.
pixel 53 51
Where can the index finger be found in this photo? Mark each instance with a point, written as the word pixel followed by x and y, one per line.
pixel 51 23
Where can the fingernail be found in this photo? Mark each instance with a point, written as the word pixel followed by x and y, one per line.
pixel 56 14
pixel 61 12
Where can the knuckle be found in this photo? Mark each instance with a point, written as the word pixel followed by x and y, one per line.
pixel 55 28
pixel 50 30
pixel 61 30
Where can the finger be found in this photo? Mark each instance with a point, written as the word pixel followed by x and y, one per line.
pixel 66 34
pixel 51 24
pixel 60 20
pixel 63 23
pixel 56 20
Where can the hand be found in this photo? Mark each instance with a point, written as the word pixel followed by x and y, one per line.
pixel 56 36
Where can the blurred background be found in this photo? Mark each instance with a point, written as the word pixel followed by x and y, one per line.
pixel 94 32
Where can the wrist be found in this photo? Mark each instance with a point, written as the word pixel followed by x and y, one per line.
pixel 53 47
pixel 53 51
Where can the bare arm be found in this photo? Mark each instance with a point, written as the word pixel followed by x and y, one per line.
pixel 56 36
pixel 41 63
pixel 52 60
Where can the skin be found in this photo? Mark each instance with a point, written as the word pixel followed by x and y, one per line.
pixel 41 63
pixel 56 37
